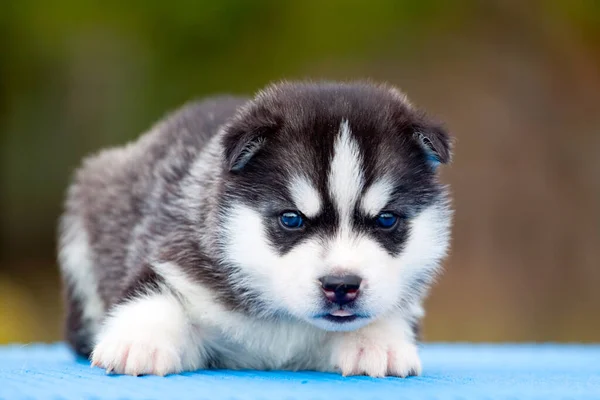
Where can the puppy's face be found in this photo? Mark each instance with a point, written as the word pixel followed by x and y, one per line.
pixel 332 211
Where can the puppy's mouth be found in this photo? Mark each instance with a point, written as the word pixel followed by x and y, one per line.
pixel 341 316
pixel 340 320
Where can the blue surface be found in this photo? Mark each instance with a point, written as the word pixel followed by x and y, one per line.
pixel 451 371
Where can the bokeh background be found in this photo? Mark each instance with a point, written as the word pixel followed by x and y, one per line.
pixel 517 82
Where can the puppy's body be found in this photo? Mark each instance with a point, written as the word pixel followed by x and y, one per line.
pixel 176 254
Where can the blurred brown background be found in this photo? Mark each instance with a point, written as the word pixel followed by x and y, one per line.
pixel 518 83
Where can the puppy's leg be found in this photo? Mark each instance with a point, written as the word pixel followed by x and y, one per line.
pixel 149 334
pixel 84 306
pixel 383 348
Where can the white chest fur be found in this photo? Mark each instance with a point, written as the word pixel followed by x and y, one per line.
pixel 261 344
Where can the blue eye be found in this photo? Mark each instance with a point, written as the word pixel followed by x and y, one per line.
pixel 291 220
pixel 386 220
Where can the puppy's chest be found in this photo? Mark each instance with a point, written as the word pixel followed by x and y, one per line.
pixel 258 344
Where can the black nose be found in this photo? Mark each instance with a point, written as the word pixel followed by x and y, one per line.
pixel 340 289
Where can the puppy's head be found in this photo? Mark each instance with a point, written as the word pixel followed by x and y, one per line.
pixel 331 208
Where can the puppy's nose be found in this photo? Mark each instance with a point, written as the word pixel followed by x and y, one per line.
pixel 340 289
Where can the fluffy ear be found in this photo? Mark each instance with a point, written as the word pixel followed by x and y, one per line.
pixel 435 140
pixel 430 135
pixel 246 135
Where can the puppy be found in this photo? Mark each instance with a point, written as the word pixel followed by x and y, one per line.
pixel 299 230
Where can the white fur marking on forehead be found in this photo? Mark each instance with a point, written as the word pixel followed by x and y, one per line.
pixel 305 196
pixel 345 174
pixel 376 197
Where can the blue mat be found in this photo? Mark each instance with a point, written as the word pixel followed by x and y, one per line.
pixel 451 371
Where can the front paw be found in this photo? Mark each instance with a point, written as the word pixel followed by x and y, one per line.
pixel 147 336
pixel 136 355
pixel 358 354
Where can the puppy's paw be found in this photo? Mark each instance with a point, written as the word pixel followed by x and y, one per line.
pixel 147 336
pixel 120 353
pixel 365 357
pixel 377 353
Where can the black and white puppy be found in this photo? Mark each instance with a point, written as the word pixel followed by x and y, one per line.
pixel 297 230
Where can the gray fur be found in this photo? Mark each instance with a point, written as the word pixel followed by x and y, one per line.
pixel 131 202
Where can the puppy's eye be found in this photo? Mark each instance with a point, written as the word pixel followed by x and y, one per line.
pixel 291 220
pixel 386 220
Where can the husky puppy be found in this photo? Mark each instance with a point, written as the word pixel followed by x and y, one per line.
pixel 297 230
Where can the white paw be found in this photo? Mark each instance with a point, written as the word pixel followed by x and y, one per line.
pixel 147 336
pixel 137 356
pixel 365 357
pixel 377 353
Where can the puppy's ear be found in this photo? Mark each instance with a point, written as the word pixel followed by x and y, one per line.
pixel 434 139
pixel 429 134
pixel 246 135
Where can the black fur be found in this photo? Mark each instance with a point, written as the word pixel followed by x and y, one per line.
pixel 146 281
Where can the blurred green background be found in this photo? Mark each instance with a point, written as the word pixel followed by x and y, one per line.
pixel 518 83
